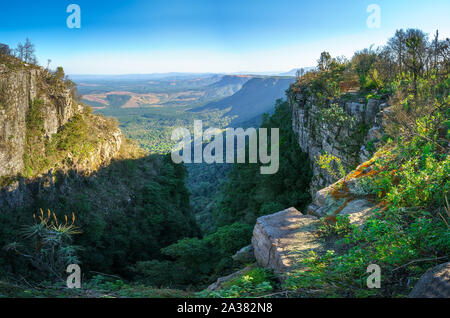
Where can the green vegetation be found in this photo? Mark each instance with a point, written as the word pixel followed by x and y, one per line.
pixel 335 115
pixel 48 246
pixel 205 182
pixel 34 158
pixel 99 286
pixel 138 229
pixel 152 127
pixel 339 228
pixel 332 165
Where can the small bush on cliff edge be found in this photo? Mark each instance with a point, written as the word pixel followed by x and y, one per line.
pixel 332 165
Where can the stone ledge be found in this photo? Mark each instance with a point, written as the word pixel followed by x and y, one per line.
pixel 282 240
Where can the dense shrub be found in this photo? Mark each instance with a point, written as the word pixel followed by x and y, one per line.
pixel 197 261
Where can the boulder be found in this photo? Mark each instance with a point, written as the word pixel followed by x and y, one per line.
pixel 283 239
pixel 358 211
pixel 313 209
pixel 245 255
pixel 321 196
pixel 435 283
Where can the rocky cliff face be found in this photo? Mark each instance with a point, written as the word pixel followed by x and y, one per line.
pixel 20 86
pixel 349 140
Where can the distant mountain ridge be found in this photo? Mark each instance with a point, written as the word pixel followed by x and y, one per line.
pixel 226 86
pixel 140 77
pixel 256 97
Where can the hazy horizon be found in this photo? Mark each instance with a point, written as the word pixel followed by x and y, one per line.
pixel 259 73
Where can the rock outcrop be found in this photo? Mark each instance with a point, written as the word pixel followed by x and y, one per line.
pixel 20 85
pixel 351 142
pixel 22 191
pixel 346 197
pixel 245 255
pixel 435 283
pixel 282 240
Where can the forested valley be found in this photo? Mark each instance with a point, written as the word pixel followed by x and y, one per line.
pixel 100 189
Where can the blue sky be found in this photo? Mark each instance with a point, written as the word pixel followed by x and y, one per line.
pixel 120 37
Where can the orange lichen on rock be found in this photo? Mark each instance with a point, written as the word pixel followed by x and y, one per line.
pixel 362 170
pixel 340 192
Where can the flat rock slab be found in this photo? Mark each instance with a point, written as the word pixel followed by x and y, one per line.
pixel 282 240
pixel 358 211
